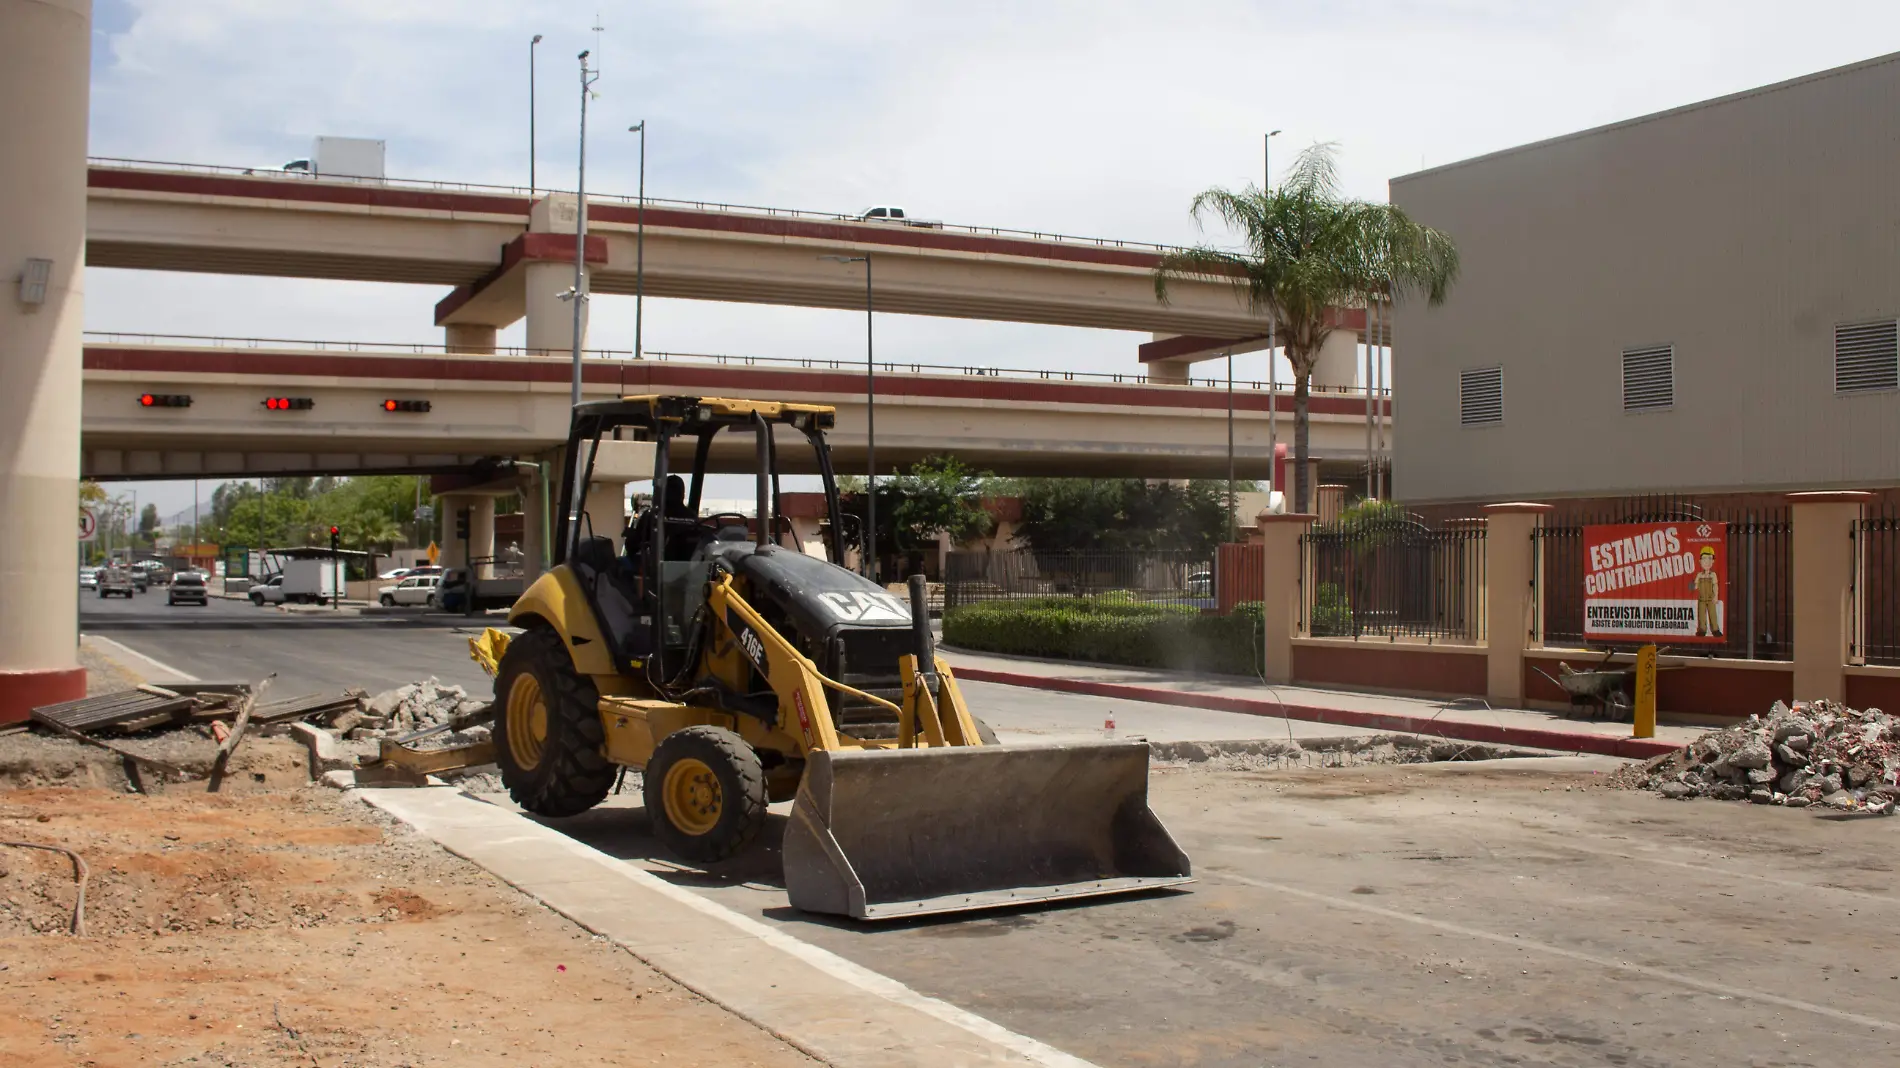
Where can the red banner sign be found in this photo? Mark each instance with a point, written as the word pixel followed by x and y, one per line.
pixel 1655 582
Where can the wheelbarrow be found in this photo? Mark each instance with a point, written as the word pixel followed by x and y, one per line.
pixel 1603 689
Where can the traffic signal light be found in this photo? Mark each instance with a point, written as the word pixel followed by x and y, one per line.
pixel 461 523
pixel 289 404
pixel 336 539
pixel 165 400
pixel 397 405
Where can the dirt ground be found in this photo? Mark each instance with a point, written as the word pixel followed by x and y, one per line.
pixel 287 925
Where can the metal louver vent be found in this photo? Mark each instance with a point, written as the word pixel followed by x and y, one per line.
pixel 1481 396
pixel 1649 378
pixel 1864 357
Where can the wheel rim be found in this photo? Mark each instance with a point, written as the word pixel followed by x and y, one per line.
pixel 693 798
pixel 527 721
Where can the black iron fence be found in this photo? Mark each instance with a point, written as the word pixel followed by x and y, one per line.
pixel 1183 579
pixel 1758 612
pixel 1877 587
pixel 1393 576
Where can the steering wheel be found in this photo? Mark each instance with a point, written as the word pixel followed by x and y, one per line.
pixel 718 520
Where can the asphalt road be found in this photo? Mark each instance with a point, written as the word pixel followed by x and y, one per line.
pixel 315 651
pixel 311 652
pixel 1492 914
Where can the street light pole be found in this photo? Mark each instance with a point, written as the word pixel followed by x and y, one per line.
pixel 531 183
pixel 870 419
pixel 579 293
pixel 1233 502
pixel 640 240
pixel 1273 363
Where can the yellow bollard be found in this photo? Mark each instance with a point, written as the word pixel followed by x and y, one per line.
pixel 1645 717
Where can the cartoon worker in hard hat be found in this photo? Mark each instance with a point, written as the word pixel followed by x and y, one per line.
pixel 1707 623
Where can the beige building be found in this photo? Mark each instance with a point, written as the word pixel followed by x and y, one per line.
pixel 1699 300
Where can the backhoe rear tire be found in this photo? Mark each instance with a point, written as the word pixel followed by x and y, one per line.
pixel 705 794
pixel 548 737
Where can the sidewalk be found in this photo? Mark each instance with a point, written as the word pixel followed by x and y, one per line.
pixel 1467 719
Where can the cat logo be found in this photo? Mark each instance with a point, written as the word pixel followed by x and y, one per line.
pixel 749 642
pixel 866 607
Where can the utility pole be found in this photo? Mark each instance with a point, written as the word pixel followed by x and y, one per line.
pixel 579 293
pixel 640 240
pixel 1233 502
pixel 870 419
pixel 531 182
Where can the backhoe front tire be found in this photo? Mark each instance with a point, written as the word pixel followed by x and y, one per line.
pixel 705 794
pixel 548 737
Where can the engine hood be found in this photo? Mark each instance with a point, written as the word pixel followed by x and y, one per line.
pixel 820 596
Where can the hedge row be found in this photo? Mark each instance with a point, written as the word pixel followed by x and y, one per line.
pixel 1111 631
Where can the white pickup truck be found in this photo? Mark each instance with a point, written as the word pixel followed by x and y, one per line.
pixel 889 214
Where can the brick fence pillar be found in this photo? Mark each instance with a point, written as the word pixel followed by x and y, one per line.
pixel 1823 580
pixel 1510 596
pixel 1282 589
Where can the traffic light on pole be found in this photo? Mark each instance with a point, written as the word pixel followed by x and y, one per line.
pixel 289 404
pixel 395 404
pixel 461 523
pixel 336 539
pixel 165 400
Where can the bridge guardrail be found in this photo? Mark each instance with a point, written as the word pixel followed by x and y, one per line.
pixel 809 363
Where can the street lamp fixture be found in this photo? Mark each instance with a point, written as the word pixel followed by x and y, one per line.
pixel 870 420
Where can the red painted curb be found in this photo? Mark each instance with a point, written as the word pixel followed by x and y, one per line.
pixel 1525 737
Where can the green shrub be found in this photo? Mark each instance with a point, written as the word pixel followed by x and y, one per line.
pixel 1111 631
pixel 1332 611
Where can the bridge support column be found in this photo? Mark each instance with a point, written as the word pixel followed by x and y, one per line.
pixel 1338 363
pixel 475 338
pixel 551 319
pixel 45 72
pixel 481 535
pixel 534 514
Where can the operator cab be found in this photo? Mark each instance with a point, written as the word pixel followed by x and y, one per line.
pixel 648 589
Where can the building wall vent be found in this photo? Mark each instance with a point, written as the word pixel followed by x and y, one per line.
pixel 1864 357
pixel 1481 396
pixel 1649 378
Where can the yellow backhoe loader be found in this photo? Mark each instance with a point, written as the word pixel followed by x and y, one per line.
pixel 736 662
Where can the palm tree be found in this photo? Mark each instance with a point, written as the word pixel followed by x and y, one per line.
pixel 1309 251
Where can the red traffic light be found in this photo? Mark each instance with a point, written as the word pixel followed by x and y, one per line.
pixel 289 404
pixel 165 400
pixel 398 405
pixel 333 532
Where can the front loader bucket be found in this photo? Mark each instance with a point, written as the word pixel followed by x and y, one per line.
pixel 878 834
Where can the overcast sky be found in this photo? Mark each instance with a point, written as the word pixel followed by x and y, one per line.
pixel 1101 118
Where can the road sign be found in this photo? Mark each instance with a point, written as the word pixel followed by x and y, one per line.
pixel 425 512
pixel 88 525
pixel 434 552
pixel 1659 582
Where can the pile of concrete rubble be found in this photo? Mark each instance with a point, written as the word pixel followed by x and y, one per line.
pixel 1815 753
pixel 413 707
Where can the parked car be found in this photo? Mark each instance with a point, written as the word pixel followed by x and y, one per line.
pixel 270 591
pixel 416 589
pixel 395 573
pixel 115 582
pixel 188 587
pixel 88 578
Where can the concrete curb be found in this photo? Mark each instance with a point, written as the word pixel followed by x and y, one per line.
pixel 1490 734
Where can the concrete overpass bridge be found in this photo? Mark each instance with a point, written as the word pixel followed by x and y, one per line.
pixel 511 404
pixel 506 254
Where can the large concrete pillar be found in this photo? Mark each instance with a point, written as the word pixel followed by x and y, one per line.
pixel 1510 603
pixel 45 72
pixel 1823 567
pixel 1338 362
pixel 475 338
pixel 534 515
pixel 550 325
pixel 481 535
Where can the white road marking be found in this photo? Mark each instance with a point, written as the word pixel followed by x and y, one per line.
pixel 1722 989
pixel 165 671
